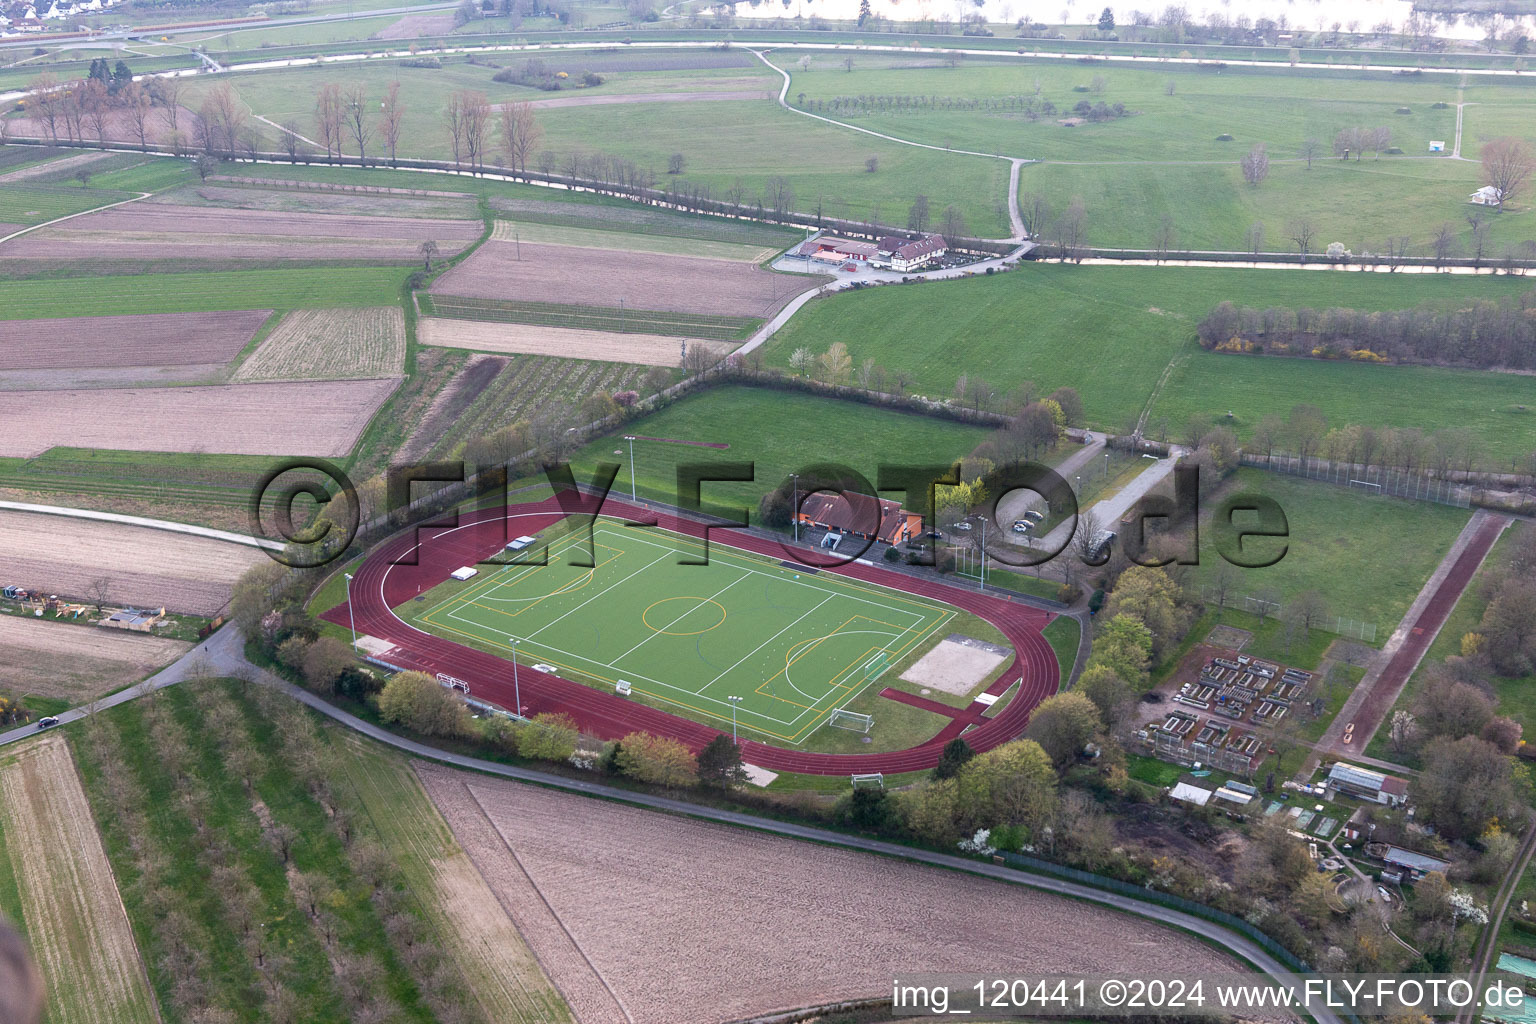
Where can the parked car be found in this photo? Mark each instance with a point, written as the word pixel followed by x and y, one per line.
pixel 1033 516
pixel 1022 526
pixel 963 525
pixel 47 722
pixel 935 535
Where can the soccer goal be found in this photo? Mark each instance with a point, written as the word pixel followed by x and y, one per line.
pixel 843 719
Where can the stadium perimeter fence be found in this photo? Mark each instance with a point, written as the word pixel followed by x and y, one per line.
pixel 1397 483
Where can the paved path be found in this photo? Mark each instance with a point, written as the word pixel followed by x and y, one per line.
pixel 150 524
pixel 1372 700
pixel 1109 511
pixel 224 655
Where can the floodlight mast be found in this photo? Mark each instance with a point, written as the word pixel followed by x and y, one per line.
pixel 517 691
pixel 734 701
pixel 631 439
pixel 351 616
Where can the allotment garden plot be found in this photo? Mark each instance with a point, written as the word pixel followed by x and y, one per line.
pixel 792 643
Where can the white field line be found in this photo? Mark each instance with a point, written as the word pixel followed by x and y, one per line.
pixel 681 617
pixel 765 643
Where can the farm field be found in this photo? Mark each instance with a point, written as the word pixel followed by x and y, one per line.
pixel 662 953
pixel 798 645
pixel 589 238
pixel 605 346
pixel 593 277
pixel 255 288
pixel 608 319
pixel 71 910
pixel 149 231
pixel 284 850
pixel 25 204
pixel 648 222
pixel 726 142
pixel 151 340
pixel 779 432
pixel 77 663
pixel 316 344
pixel 502 972
pixel 143 567
pixel 237 195
pixel 1368 556
pixel 323 418
pixel 1111 332
pixel 492 392
pixel 1360 204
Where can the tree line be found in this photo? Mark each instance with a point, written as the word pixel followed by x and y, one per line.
pixel 1484 333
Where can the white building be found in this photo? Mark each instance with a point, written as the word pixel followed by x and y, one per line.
pixel 1368 785
pixel 1487 196
pixel 902 255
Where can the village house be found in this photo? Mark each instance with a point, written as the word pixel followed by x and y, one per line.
pixel 1488 195
pixel 1388 790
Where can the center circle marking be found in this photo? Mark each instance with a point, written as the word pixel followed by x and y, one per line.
pixel 645 616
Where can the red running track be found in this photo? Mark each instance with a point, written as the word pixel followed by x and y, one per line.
pixel 381 584
pixel 1373 710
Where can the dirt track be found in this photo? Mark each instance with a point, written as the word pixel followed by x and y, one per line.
pixel 593 277
pixel 322 418
pixel 526 339
pixel 653 97
pixel 679 920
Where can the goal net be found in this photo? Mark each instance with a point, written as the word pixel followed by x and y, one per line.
pixel 841 719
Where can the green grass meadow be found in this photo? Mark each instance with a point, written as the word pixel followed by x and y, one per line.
pixel 1111 332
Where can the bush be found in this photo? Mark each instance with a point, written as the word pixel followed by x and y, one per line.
pixel 657 760
pixel 550 736
pixel 420 703
pixel 1224 137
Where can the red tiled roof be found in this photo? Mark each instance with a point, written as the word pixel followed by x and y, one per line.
pixel 856 513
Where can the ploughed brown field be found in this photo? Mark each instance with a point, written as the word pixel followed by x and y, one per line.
pixel 77 663
pixel 156 339
pixel 413 25
pixel 672 919
pixel 153 231
pixel 143 567
pixel 322 418
pixel 594 277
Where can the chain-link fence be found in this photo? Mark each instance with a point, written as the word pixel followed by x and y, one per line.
pixel 1397 483
pixel 1338 624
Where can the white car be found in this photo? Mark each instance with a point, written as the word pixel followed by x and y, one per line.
pixel 963 525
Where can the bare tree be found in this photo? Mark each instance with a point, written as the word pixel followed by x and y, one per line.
pixel 952 223
pixel 1072 231
pixel 391 116
pixel 780 195
pixel 1310 150
pixel 917 214
pixel 1035 211
pixel 1255 164
pixel 872 164
pixel 290 141
pixel 224 117
pixel 354 110
pixel 95 109
pixel 1381 138
pixel 453 117
pixel 1301 230
pixel 1253 238
pixel 43 103
pixel 1395 252
pixel 1443 244
pixel 137 105
pixel 206 164
pixel 527 135
pixel 1163 236
pixel 328 117
pixel 1507 164
pixel 676 162
pixel 101 590
pixel 475 110
pixel 427 250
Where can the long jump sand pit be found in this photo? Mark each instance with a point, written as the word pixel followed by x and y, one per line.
pixel 158 231
pixel 672 919
pixel 595 277
pixel 527 339
pixel 321 418
pixel 957 664
pixel 77 663
pixel 76 924
pixel 155 339
pixel 141 566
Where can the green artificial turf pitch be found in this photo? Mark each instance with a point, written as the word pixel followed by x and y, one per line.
pixel 792 643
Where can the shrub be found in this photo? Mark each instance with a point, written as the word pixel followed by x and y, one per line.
pixel 419 702
pixel 658 760
pixel 1224 137
pixel 550 736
